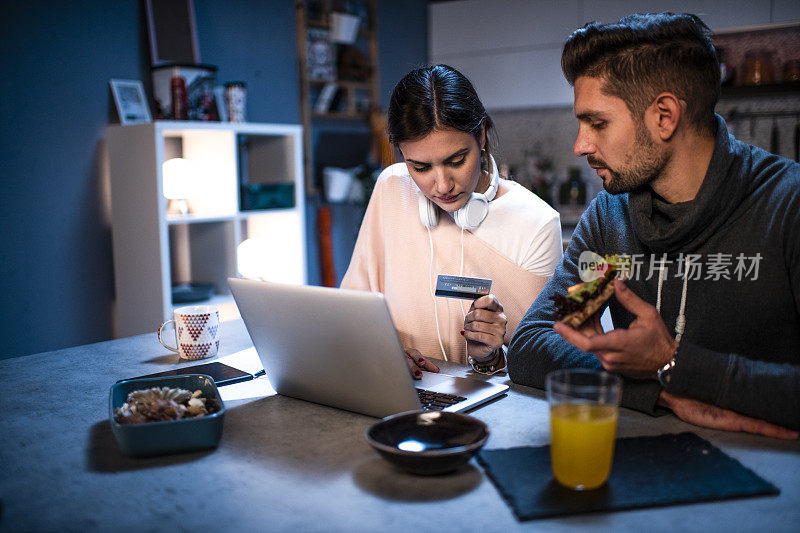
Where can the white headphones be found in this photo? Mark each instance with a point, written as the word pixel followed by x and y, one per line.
pixel 468 217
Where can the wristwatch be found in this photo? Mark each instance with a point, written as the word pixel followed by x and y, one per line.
pixel 665 372
pixel 489 369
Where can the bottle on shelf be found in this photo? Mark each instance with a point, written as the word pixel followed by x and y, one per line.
pixel 180 98
pixel 572 197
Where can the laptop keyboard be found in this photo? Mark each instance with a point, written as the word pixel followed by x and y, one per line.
pixel 436 401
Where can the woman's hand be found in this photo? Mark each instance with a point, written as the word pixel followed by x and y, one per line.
pixel 416 362
pixel 484 327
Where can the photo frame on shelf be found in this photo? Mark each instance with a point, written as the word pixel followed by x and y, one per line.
pixel 172 32
pixel 131 102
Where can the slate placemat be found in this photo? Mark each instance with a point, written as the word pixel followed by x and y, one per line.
pixel 647 472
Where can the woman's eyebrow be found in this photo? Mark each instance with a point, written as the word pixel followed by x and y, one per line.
pixel 457 154
pixel 448 158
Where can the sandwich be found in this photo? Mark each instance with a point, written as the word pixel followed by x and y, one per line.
pixel 586 298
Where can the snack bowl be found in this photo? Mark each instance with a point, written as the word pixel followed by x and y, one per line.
pixel 428 442
pixel 167 436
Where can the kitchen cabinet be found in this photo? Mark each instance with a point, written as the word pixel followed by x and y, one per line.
pixel 785 11
pixel 465 28
pixel 516 80
pixel 511 51
pixel 715 14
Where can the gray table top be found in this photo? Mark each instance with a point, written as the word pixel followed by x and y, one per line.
pixel 284 464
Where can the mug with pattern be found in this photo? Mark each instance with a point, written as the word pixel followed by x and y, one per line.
pixel 197 331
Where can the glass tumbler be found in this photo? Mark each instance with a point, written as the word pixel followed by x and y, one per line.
pixel 583 422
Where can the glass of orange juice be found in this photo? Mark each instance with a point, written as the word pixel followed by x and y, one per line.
pixel 583 422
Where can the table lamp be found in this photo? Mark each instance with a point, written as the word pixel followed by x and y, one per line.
pixel 253 258
pixel 177 184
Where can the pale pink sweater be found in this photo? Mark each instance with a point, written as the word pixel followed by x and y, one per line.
pixel 392 256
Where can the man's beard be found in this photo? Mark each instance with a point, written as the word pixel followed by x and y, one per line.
pixel 646 163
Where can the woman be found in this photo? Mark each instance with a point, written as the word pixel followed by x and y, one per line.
pixel 446 211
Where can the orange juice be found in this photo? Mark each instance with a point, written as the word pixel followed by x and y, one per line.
pixel 582 443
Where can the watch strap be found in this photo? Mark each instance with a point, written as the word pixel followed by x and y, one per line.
pixel 492 366
pixel 665 372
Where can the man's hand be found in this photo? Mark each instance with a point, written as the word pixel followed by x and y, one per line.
pixel 484 327
pixel 637 352
pixel 416 362
pixel 710 416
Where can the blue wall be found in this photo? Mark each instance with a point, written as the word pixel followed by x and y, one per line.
pixel 56 273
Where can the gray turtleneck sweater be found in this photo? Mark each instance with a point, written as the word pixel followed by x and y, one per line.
pixel 741 346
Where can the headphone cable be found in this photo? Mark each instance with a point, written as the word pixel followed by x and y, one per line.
pixel 461 302
pixel 433 297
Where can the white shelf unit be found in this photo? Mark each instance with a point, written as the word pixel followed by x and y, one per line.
pixel 153 249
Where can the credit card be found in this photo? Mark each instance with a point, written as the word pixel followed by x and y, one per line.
pixel 462 287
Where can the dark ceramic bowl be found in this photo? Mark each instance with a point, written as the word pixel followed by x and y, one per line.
pixel 170 436
pixel 428 442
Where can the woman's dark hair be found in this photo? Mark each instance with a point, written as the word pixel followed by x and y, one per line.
pixel 432 98
pixel 643 55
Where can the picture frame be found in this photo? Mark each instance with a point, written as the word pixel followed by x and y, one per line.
pixel 320 55
pixel 172 32
pixel 131 102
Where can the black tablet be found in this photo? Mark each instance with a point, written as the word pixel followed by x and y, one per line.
pixel 221 373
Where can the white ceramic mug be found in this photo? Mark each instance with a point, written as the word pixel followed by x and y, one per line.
pixel 197 331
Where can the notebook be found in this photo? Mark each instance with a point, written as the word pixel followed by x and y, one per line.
pixel 339 347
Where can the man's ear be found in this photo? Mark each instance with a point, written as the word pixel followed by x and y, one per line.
pixel 664 115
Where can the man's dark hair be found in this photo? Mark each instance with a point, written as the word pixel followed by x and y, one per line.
pixel 643 55
pixel 432 98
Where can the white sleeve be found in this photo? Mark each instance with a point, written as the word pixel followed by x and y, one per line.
pixel 545 249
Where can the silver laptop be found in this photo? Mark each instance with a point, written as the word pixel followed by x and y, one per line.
pixel 338 347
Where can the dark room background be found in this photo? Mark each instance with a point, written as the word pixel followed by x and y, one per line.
pixel 56 273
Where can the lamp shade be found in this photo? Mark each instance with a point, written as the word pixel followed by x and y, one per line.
pixel 253 258
pixel 177 173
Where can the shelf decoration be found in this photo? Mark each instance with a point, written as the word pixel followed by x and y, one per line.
pixel 320 56
pixel 352 64
pixel 130 100
pixel 172 32
pixel 344 28
pixel 325 98
pixel 185 92
pixel 759 57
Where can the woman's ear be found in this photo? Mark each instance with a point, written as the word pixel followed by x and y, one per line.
pixel 482 137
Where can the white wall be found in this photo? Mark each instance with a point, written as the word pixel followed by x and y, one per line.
pixel 511 49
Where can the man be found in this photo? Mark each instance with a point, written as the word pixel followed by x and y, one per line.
pixel 709 225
